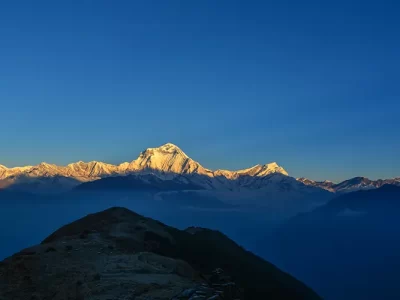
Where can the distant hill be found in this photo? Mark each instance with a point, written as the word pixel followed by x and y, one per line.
pixel 352 241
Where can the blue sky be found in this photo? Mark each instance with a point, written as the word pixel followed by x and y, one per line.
pixel 313 85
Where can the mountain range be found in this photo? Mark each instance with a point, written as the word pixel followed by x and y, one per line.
pixel 165 162
pixel 350 185
pixel 167 172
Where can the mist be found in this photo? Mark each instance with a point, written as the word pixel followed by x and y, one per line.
pixel 346 249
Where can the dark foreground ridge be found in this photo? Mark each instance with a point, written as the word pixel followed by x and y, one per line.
pixel 118 254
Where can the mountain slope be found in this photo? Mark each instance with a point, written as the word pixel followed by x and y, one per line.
pixel 347 248
pixel 280 196
pixel 136 183
pixel 118 254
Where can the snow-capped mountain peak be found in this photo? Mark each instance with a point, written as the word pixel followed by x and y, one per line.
pixel 263 170
pixel 167 161
pixel 170 148
pixel 93 169
pixel 167 158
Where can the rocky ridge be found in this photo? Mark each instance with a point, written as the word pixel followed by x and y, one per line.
pixel 118 254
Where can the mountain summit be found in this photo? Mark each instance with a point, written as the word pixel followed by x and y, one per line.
pixel 166 162
pixel 167 158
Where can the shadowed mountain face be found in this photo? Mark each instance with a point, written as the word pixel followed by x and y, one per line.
pixel 149 183
pixel 280 195
pixel 352 243
pixel 120 254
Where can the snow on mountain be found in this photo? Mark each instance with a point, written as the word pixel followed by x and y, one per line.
pixel 263 170
pixel 10 172
pixel 166 162
pixel 167 159
pixel 326 185
pixel 255 171
pixel 350 185
pixel 169 162
pixel 93 169
pixel 166 172
pixel 356 184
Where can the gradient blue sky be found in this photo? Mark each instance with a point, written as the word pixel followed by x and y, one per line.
pixel 313 85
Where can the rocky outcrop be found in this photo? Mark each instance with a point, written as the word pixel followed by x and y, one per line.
pixel 118 254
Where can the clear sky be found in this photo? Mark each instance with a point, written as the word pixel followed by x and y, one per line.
pixel 312 85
